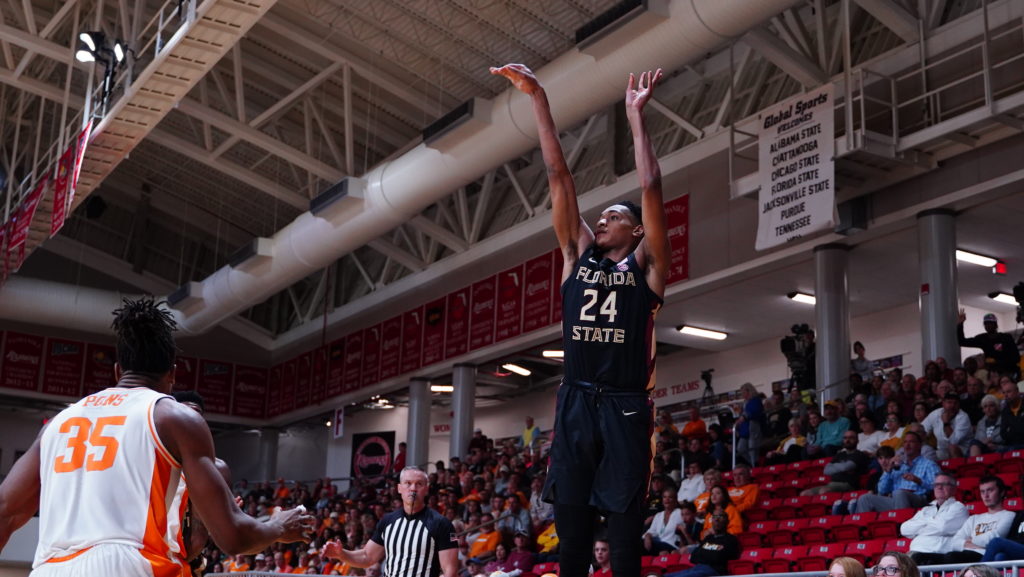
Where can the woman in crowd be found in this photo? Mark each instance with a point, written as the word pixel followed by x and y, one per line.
pixel 719 497
pixel 846 567
pixel 988 436
pixel 980 571
pixel 898 564
pixel 750 424
pixel 869 438
pixel 791 448
pixel 811 447
pixel 892 435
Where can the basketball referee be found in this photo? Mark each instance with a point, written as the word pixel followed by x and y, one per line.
pixel 413 542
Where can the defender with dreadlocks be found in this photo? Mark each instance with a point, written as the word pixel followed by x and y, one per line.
pixel 104 471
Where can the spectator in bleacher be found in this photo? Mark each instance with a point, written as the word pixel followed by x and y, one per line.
pixel 661 536
pixel 693 485
pixel 927 442
pixel 881 393
pixel 1013 416
pixel 547 545
pixel 516 517
pixel 1000 350
pixel 950 426
pixel 541 512
pixel 970 399
pixel 830 431
pixel 777 419
pixel 499 562
pixel 719 446
pixel 1009 547
pixel 860 411
pixel 530 438
pixel 979 529
pixel 602 557
pixel 695 427
pixel 980 571
pixel 909 480
pixel 750 424
pixel 689 528
pixel 893 432
pixel 988 435
pixel 712 477
pixel 791 448
pixel 846 567
pixel 812 448
pixel 934 526
pixel 695 452
pixel 521 557
pixel 860 365
pixel 744 490
pixel 845 469
pixel 715 551
pixel 719 499
pixel 869 438
pixel 896 563
pixel 665 428
pixel 968 545
pixel 478 441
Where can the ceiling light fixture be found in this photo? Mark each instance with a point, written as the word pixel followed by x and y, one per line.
pixel 703 333
pixel 802 298
pixel 1003 298
pixel 980 260
pixel 442 388
pixel 552 354
pixel 517 369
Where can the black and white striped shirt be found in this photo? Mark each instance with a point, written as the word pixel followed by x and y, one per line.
pixel 412 542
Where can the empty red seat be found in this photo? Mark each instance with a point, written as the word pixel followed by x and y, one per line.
pixel 1015 504
pixel 783 512
pixel 975 507
pixel 902 545
pixel 672 562
pixel 783 559
pixel 952 464
pixel 1014 465
pixel 817 529
pixel 867 552
pixel 987 458
pixel 756 514
pixel 1012 481
pixel 970 469
pixel 967 488
pixel 819 556
pixel 542 568
pixel 749 561
pixel 786 533
pixel 887 525
pixel 853 527
pixel 751 540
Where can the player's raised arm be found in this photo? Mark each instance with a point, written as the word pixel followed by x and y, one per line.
pixel 573 234
pixel 654 253
pixel 19 493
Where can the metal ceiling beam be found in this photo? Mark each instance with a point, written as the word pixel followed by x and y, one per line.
pixel 894 17
pixel 439 233
pixel 57 18
pixel 39 88
pixel 235 171
pixel 388 249
pixel 782 55
pixel 40 46
pixel 246 132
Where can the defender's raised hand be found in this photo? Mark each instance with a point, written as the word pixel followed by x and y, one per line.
pixel 637 97
pixel 520 76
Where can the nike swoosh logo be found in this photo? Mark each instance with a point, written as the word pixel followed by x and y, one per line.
pixel 625 414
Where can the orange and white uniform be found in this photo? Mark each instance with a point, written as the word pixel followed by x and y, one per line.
pixel 108 488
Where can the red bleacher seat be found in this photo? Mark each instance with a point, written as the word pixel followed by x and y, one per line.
pixel 967 488
pixel 751 540
pixel 762 527
pixel 542 568
pixel 970 469
pixel 952 464
pixel 902 545
pixel 817 529
pixel 811 510
pixel 975 507
pixel 867 552
pixel 850 495
pixel 789 475
pixel 749 561
pixel 888 523
pixel 756 514
pixel 1009 465
pixel 819 556
pixel 853 527
pixel 786 532
pixel 1015 504
pixel 987 458
pixel 783 512
pixel 1012 481
pixel 797 501
pixel 783 559
pixel 672 562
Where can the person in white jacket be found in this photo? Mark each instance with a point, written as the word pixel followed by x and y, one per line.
pixel 951 427
pixel 968 545
pixel 662 535
pixel 934 526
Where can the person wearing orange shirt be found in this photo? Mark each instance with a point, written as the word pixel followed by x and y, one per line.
pixel 696 427
pixel 239 564
pixel 712 477
pixel 485 544
pixel 744 491
pixel 720 498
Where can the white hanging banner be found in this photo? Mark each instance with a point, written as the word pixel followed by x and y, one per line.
pixel 797 171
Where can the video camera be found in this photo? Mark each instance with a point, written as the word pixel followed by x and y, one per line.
pixel 800 355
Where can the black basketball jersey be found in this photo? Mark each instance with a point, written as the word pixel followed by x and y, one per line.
pixel 608 323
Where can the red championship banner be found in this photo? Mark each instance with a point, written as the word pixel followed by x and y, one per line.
pixel 25 214
pixel 303 379
pixel 214 385
pixel 353 370
pixel 390 347
pixel 537 293
pixel 99 368
pixel 456 330
pixel 250 392
pixel 510 304
pixel 274 391
pixel 557 262
pixel 677 214
pixel 433 332
pixel 483 297
pixel 318 378
pixel 412 340
pixel 335 368
pixel 62 189
pixel 22 359
pixel 371 356
pixel 289 384
pixel 62 372
pixel 186 373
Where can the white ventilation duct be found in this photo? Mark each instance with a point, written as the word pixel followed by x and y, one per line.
pixel 54 304
pixel 578 86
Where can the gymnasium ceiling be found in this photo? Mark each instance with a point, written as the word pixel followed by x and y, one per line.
pixel 321 89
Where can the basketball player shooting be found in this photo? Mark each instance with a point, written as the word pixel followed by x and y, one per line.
pixel 613 282
pixel 103 472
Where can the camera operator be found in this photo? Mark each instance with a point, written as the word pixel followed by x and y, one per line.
pixel 1001 354
pixel 799 351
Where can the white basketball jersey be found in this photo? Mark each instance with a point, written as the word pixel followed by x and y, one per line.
pixel 107 478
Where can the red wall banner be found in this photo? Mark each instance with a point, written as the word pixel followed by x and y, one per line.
pixel 557 262
pixel 318 379
pixel 186 373
pixel 510 304
pixel 274 391
pixel 371 356
pixel 250 392
pixel 335 368
pixel 303 379
pixel 22 359
pixel 214 385
pixel 353 371
pixel 289 372
pixel 99 368
pixel 484 297
pixel 390 347
pixel 433 332
pixel 412 340
pixel 537 293
pixel 62 372
pixel 677 213
pixel 456 332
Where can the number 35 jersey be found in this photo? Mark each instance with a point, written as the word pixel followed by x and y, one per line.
pixel 107 478
pixel 608 323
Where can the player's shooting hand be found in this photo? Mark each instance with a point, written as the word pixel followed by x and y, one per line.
pixel 962 316
pixel 637 97
pixel 297 524
pixel 520 76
